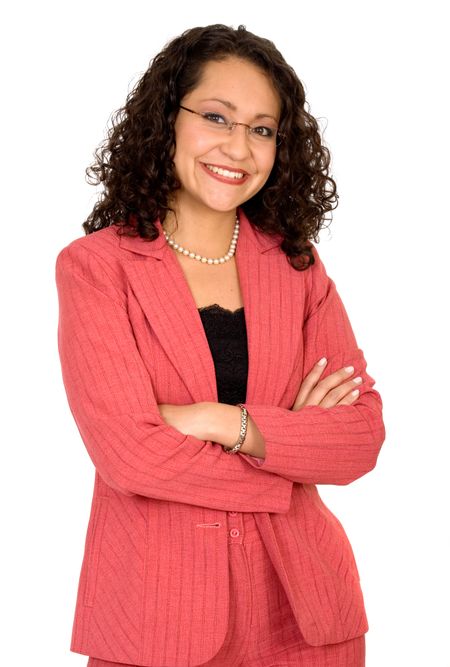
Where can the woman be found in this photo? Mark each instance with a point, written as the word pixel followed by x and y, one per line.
pixel 210 367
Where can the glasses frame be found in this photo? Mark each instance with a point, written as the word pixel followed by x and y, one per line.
pixel 231 124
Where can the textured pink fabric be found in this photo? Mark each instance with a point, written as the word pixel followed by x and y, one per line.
pixel 262 631
pixel 154 582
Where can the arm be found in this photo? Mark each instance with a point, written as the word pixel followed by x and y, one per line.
pixel 217 422
pixel 318 445
pixel 110 395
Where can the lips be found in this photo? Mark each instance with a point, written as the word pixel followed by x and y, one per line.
pixel 225 174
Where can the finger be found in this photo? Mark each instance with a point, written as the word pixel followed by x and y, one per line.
pixel 339 393
pixel 309 382
pixel 335 395
pixel 350 398
pixel 330 384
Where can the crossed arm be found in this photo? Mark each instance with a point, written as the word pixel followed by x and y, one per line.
pixel 218 422
pixel 319 443
pixel 139 449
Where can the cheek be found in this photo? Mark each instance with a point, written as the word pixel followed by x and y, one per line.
pixel 267 164
pixel 190 145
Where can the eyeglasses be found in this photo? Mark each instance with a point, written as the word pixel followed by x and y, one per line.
pixel 218 122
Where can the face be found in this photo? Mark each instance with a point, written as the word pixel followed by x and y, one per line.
pixel 241 92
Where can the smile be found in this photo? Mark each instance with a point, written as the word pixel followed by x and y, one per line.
pixel 226 173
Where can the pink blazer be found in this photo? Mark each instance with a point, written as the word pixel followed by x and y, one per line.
pixel 153 587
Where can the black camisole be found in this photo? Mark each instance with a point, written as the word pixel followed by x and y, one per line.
pixel 227 338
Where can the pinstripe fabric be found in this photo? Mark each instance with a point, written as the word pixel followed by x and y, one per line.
pixel 262 631
pixel 154 582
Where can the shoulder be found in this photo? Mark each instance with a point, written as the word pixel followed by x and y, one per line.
pixel 104 249
pixel 321 287
pixel 95 259
pixel 317 269
pixel 104 243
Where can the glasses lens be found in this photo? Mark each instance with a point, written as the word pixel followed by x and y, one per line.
pixel 263 133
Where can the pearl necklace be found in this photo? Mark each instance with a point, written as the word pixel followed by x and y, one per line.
pixel 207 260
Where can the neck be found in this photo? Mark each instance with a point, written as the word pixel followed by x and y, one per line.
pixel 207 234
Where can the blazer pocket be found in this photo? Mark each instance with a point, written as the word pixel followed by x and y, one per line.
pixel 94 548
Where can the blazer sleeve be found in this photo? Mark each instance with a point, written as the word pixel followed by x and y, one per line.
pixel 110 395
pixel 317 445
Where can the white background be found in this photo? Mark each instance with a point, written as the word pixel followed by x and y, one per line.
pixel 375 73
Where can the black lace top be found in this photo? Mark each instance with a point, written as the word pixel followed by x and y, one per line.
pixel 227 337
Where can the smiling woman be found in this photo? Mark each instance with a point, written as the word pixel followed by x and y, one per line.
pixel 210 366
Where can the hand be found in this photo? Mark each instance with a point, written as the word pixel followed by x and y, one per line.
pixel 333 390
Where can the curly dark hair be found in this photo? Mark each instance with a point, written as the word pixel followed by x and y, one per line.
pixel 135 162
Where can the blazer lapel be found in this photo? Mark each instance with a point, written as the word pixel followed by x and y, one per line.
pixel 159 284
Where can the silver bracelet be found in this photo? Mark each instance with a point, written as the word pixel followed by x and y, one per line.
pixel 242 432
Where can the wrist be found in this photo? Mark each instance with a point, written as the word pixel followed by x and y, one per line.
pixel 237 447
pixel 222 423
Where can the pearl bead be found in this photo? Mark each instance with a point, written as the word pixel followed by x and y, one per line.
pixel 207 260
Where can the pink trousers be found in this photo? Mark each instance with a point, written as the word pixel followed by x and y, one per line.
pixel 262 630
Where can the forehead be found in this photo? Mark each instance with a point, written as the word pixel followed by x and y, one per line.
pixel 239 82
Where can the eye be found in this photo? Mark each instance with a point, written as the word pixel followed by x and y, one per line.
pixel 214 118
pixel 265 132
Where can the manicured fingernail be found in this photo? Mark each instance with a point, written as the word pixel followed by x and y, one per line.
pixel 357 380
pixel 355 392
pixel 322 362
pixel 349 369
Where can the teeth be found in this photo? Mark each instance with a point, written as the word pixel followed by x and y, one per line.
pixel 225 172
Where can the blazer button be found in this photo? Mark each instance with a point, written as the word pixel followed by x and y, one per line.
pixel 234 532
pixel 232 513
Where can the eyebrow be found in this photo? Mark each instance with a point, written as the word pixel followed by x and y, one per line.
pixel 231 106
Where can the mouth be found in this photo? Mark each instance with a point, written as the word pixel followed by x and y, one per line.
pixel 232 176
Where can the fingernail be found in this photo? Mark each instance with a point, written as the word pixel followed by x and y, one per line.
pixel 357 380
pixel 355 392
pixel 349 369
pixel 322 362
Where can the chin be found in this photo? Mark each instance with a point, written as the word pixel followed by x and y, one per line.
pixel 224 207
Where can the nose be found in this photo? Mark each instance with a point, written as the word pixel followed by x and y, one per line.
pixel 236 143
